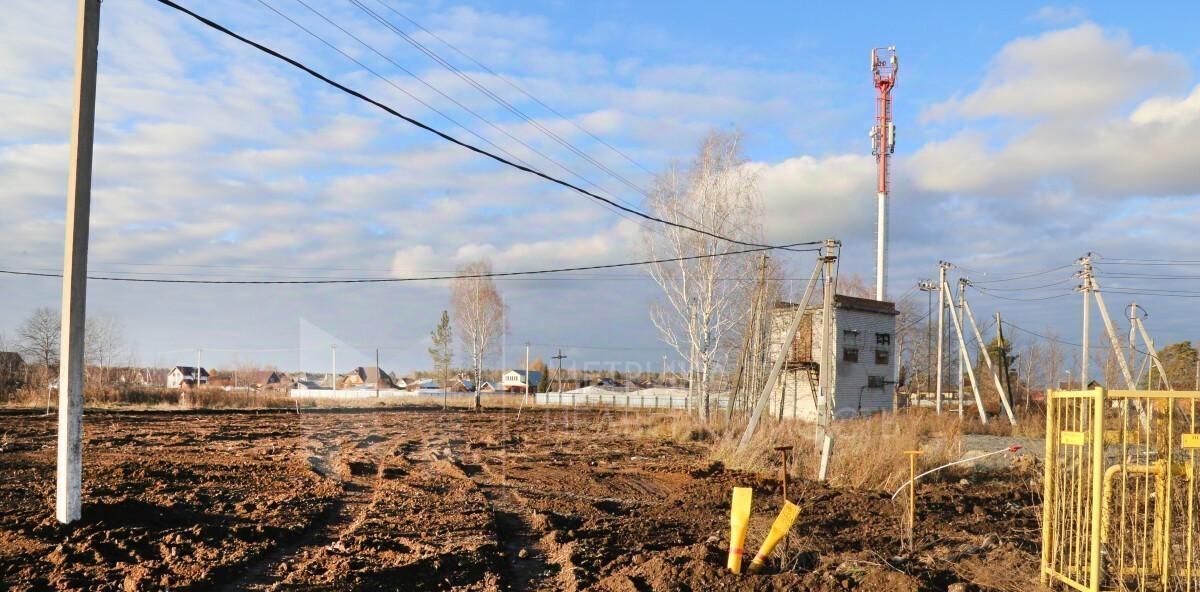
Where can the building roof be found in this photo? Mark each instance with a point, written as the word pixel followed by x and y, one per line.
pixel 535 376
pixel 191 370
pixel 372 374
pixel 845 302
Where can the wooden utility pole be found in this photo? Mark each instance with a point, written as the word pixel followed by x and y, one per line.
pixel 1004 363
pixel 68 504
pixel 560 357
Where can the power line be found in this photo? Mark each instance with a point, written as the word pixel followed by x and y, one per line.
pixel 512 84
pixel 447 137
pixel 391 83
pixel 988 293
pixel 1017 275
pixel 493 96
pixel 1024 288
pixel 413 279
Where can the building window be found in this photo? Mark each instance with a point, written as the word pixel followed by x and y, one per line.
pixel 849 354
pixel 849 345
pixel 883 348
pixel 874 382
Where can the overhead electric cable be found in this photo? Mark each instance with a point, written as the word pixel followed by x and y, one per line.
pixel 988 293
pixel 514 85
pixel 435 89
pixel 449 138
pixel 1018 275
pixel 493 96
pixel 414 279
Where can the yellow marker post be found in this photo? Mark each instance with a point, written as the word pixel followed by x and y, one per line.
pixel 783 523
pixel 912 494
pixel 739 520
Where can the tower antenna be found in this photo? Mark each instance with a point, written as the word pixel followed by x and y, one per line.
pixel 884 67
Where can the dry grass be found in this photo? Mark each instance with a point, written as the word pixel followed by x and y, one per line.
pixel 868 452
pixel 1031 423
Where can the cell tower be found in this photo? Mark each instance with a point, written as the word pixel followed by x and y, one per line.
pixel 884 66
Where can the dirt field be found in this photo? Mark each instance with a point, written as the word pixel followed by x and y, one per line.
pixel 421 499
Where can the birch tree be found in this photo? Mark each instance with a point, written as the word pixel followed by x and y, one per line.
pixel 442 352
pixel 38 337
pixel 479 314
pixel 702 299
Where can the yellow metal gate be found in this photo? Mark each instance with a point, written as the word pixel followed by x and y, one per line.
pixel 1120 500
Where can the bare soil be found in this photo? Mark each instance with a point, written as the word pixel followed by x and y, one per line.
pixel 424 499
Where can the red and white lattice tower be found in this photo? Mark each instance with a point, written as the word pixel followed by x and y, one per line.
pixel 884 66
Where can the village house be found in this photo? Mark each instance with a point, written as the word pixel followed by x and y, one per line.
pixel 864 360
pixel 514 381
pixel 368 377
pixel 185 377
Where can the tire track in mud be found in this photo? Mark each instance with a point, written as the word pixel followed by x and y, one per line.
pixel 357 479
pixel 529 560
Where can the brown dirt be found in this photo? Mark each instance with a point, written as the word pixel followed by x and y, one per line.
pixel 421 499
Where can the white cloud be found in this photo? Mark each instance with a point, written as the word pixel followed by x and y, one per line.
pixel 1148 152
pixel 813 198
pixel 1074 73
pixel 1058 15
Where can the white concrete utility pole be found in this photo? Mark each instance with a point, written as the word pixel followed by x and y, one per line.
pixel 941 328
pixel 827 371
pixel 784 349
pixel 962 348
pixel 68 503
pixel 987 358
pixel 1086 288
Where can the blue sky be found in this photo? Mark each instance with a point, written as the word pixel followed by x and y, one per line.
pixel 1029 134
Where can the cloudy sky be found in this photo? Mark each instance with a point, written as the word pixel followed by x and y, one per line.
pixel 1029 134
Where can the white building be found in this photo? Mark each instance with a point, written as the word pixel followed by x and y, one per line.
pixel 181 376
pixel 864 360
pixel 514 380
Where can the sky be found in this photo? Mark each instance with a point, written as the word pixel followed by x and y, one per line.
pixel 1029 134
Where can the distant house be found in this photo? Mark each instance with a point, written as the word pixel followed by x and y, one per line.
pixel 514 381
pixel 462 385
pixel 368 377
pixel 11 362
pixel 487 387
pixel 185 377
pixel 309 385
pixel 12 370
pixel 421 384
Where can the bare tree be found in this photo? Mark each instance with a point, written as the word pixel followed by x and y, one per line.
pixel 479 314
pixel 38 337
pixel 702 298
pixel 441 353
pixel 103 340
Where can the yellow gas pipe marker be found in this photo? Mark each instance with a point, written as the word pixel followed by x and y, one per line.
pixel 783 523
pixel 739 519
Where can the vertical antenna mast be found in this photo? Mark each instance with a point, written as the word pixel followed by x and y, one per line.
pixel 884 66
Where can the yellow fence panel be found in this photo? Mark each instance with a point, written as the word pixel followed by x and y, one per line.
pixel 1120 492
